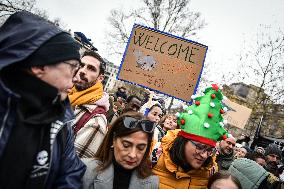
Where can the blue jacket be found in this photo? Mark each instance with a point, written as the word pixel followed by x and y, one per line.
pixel 17 41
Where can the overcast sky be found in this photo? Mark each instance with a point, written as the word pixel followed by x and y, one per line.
pixel 229 23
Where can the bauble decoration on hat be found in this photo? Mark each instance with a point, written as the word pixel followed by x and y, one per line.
pixel 203 121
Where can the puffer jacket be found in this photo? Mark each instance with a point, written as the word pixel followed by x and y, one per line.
pixel 16 44
pixel 172 176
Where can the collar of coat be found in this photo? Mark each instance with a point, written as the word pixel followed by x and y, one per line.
pixel 107 176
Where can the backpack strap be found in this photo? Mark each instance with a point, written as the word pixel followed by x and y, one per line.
pixel 87 116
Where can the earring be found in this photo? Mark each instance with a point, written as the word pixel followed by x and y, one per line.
pixel 111 146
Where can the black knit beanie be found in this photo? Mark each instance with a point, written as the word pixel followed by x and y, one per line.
pixel 59 48
pixel 273 149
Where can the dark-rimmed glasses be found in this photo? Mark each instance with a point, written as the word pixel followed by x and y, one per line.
pixel 74 67
pixel 131 123
pixel 201 148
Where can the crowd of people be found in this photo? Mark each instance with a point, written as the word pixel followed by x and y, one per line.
pixel 60 129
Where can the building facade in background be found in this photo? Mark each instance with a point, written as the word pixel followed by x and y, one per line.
pixel 110 81
pixel 264 111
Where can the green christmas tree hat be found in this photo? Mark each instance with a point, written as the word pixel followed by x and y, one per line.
pixel 203 121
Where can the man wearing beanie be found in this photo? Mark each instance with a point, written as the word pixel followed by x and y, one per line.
pixel 37 65
pixel 273 156
pixel 185 157
pixel 90 105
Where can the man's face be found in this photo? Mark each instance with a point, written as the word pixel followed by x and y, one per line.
pixel 196 156
pixel 133 105
pixel 227 146
pixel 88 75
pixel 272 158
pixel 59 75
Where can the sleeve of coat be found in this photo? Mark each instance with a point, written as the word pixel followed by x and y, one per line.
pixel 90 174
pixel 71 168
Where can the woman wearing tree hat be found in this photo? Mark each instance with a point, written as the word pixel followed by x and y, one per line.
pixel 185 157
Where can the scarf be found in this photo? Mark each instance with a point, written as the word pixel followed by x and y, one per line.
pixel 87 96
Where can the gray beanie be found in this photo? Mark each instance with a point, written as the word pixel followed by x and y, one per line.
pixel 248 172
pixel 273 149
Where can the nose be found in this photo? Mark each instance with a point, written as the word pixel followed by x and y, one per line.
pixel 203 154
pixel 273 158
pixel 132 154
pixel 83 69
pixel 157 119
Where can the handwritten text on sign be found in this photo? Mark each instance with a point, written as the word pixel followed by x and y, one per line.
pixel 163 62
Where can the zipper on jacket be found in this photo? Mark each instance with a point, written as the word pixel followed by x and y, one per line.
pixel 6 116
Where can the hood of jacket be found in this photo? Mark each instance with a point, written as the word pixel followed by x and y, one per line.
pixel 21 35
pixel 103 102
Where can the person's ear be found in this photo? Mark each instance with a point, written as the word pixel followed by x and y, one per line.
pixel 100 78
pixel 38 71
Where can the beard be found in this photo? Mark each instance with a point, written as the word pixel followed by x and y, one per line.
pixel 84 85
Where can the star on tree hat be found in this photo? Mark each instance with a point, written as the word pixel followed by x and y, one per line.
pixel 203 121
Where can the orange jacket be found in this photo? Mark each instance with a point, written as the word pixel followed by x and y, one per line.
pixel 172 176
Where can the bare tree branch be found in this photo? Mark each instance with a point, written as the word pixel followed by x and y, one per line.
pixel 173 16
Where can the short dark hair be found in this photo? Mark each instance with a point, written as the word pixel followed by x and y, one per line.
pixel 99 58
pixel 131 97
pixel 117 129
pixel 223 175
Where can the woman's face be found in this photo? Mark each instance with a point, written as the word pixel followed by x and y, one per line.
pixel 155 114
pixel 170 123
pixel 129 150
pixel 224 183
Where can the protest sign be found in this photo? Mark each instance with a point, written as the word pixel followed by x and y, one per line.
pixel 163 62
pixel 239 114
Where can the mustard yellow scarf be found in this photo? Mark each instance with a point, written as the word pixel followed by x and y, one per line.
pixel 88 96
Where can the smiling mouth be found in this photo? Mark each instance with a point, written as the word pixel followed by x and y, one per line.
pixel 199 161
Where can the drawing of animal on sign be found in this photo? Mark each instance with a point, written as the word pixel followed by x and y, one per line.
pixel 145 62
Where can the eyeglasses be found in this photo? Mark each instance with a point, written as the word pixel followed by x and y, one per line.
pixel 131 123
pixel 201 148
pixel 75 67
